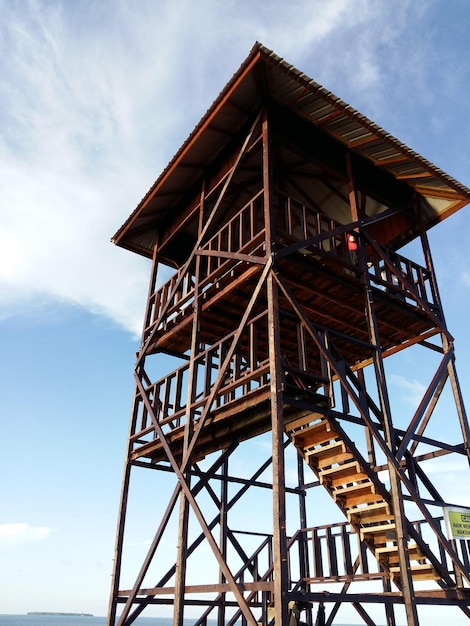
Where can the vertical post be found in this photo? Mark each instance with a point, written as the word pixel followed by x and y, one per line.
pixel 351 189
pixel 368 436
pixel 279 495
pixel 180 573
pixel 181 555
pixel 303 551
pixel 463 419
pixel 430 266
pixel 389 608
pixel 390 439
pixel 151 291
pixel 223 537
pixel 277 419
pixel 119 542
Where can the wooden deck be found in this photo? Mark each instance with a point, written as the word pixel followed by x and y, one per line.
pixel 333 296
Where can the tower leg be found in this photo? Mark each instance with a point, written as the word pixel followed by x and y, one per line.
pixel 279 496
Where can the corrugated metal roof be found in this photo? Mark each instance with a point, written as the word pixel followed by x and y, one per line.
pixel 264 73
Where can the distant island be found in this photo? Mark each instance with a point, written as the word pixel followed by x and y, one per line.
pixel 59 613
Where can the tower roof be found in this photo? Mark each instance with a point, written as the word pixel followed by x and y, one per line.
pixel 264 75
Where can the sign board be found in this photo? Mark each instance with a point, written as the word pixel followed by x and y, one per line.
pixel 458 522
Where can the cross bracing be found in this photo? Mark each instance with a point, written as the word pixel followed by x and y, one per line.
pixel 272 342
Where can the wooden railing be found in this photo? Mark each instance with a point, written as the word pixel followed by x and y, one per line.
pixel 243 234
pixel 335 553
pixel 393 272
pixel 175 295
pixel 461 547
pixel 245 372
pixel 296 222
pixel 389 271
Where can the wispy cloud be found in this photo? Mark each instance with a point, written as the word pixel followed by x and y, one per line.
pixel 413 390
pixel 16 534
pixel 95 100
pixel 466 278
pixel 444 471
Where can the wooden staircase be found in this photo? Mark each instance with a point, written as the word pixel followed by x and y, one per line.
pixel 357 490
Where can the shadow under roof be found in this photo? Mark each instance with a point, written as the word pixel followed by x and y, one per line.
pixel 263 74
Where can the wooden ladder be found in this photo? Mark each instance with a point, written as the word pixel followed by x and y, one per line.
pixel 358 492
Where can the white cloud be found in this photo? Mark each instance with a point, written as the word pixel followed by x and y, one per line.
pixel 16 534
pixel 412 388
pixel 94 102
pixel 443 472
pixel 466 278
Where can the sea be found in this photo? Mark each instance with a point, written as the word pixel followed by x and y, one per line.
pixel 75 620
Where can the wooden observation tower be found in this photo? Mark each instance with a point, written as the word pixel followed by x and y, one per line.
pixel 272 468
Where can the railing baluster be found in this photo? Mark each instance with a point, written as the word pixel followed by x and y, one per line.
pixel 178 394
pixel 464 549
pixel 332 554
pixel 143 419
pixel 317 553
pixel 364 564
pixel 289 227
pixel 166 397
pixel 346 546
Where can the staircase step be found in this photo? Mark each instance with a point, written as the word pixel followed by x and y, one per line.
pixel 362 499
pixel 377 528
pixel 418 572
pixel 326 455
pixel 390 554
pixel 317 433
pixel 360 493
pixel 379 534
pixel 342 474
pixel 292 424
pixel 376 512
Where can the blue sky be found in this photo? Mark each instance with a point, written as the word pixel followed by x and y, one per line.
pixel 95 98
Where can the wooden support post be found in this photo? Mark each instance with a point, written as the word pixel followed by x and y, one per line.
pixel 277 419
pixel 389 608
pixel 151 290
pixel 180 574
pixel 119 542
pixel 463 419
pixel 303 552
pixel 118 545
pixel 223 537
pixel 279 496
pixel 351 189
pixel 395 484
